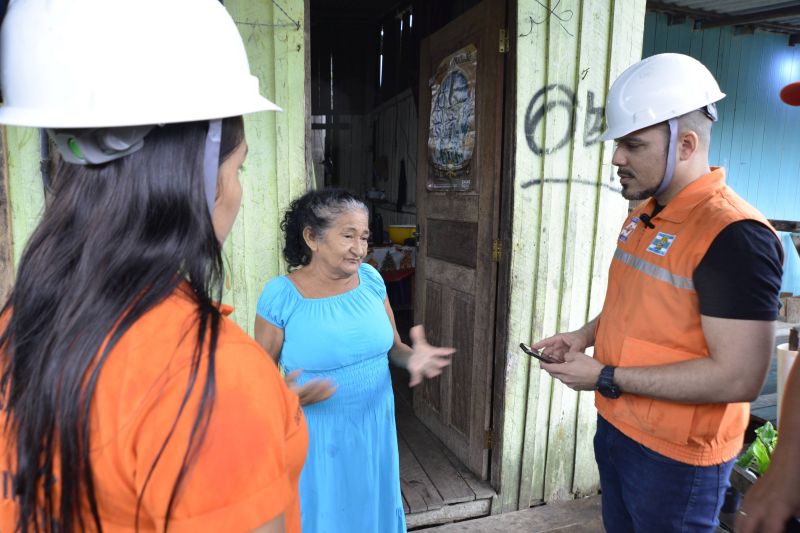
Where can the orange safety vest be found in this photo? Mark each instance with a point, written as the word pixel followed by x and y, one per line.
pixel 651 316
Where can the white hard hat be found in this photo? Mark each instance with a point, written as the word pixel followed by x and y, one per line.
pixel 111 63
pixel 656 89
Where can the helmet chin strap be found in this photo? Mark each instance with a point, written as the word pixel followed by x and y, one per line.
pixel 211 162
pixel 672 150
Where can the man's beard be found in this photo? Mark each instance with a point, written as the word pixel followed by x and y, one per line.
pixel 639 195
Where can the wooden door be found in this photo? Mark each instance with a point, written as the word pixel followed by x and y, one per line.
pixel 457 214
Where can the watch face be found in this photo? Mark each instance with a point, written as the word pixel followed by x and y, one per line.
pixel 605 384
pixel 612 392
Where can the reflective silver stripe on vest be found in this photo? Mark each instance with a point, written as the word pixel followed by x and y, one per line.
pixel 655 271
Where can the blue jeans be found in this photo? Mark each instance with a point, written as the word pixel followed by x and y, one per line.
pixel 645 492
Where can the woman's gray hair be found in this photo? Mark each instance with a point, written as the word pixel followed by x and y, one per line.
pixel 316 210
pixel 328 212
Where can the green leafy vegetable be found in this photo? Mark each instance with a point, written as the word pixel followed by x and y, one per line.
pixel 757 456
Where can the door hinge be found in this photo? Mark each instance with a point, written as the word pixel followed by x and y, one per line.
pixel 497 250
pixel 504 42
pixel 488 439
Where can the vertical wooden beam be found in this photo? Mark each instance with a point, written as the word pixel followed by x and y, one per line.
pixel 6 242
pixel 505 235
pixel 275 39
pixel 25 191
pixel 521 380
pixel 310 178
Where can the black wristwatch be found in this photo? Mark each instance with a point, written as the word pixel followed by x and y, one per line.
pixel 605 383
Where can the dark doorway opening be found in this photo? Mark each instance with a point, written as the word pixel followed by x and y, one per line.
pixel 365 84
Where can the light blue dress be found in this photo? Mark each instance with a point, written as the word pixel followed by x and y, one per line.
pixel 351 479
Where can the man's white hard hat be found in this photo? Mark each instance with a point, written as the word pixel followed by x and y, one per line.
pixel 656 89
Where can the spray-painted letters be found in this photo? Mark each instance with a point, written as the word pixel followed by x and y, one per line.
pixel 560 98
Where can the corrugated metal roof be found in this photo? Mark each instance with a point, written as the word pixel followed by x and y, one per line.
pixel 731 7
pixel 773 15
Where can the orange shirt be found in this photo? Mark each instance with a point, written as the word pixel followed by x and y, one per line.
pixel 247 470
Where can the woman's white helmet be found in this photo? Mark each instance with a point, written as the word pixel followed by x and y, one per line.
pixel 106 63
pixel 100 74
pixel 656 89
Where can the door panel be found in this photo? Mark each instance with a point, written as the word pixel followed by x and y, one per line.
pixel 453 241
pixel 433 306
pixel 463 313
pixel 456 274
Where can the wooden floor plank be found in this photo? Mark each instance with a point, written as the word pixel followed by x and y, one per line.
pixel 482 489
pixel 417 487
pixel 450 513
pixel 574 516
pixel 429 452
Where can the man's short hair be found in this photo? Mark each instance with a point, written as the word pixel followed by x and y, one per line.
pixel 698 122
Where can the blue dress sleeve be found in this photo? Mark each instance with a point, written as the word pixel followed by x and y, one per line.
pixel 276 301
pixel 372 280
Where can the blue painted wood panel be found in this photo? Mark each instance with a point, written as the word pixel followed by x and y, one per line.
pixel 757 138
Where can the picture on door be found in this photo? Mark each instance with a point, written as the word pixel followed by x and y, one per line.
pixel 451 137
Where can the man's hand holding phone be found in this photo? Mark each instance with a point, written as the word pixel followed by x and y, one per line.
pixel 556 347
pixel 536 353
pixel 563 357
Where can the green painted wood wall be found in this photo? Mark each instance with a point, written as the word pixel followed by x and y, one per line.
pixel 25 188
pixel 275 172
pixel 567 214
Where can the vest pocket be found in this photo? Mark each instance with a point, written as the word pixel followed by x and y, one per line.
pixel 664 420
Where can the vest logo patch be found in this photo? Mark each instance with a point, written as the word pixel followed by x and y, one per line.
pixel 661 244
pixel 628 229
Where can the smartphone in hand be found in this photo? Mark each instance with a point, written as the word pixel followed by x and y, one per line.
pixel 536 353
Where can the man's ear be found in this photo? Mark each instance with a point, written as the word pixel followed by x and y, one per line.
pixel 688 143
pixel 308 236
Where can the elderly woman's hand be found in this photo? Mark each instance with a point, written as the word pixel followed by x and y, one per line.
pixel 425 361
pixel 313 391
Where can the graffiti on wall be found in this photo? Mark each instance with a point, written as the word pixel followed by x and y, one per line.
pixel 563 16
pixel 572 181
pixel 558 98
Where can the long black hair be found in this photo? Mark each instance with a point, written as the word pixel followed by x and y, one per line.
pixel 316 210
pixel 115 240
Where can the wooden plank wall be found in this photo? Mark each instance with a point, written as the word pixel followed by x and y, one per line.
pixel 567 214
pixel 6 244
pixel 395 124
pixel 351 141
pixel 275 167
pixel 317 149
pixel 274 36
pixel 757 137
pixel 390 133
pixel 25 189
